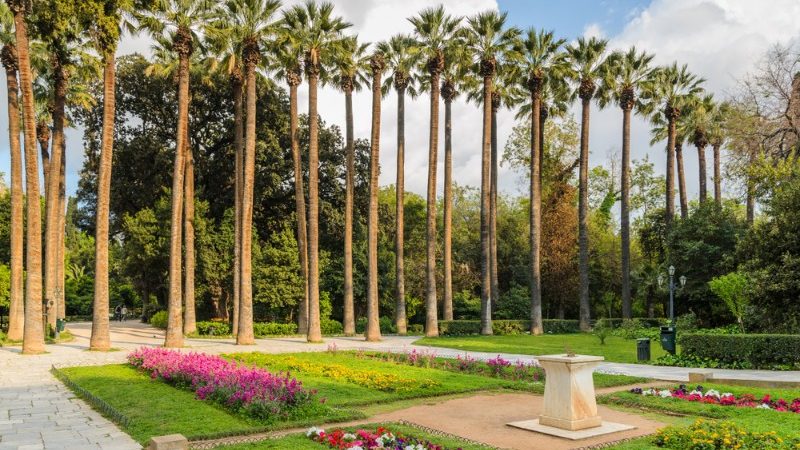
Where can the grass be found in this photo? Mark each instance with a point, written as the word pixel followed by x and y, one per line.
pixel 615 349
pixel 299 441
pixel 786 424
pixel 154 408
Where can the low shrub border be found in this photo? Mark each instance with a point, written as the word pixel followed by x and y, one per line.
pixel 505 327
pixel 743 351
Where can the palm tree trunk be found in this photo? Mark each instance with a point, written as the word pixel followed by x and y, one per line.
pixel 495 283
pixel 246 336
pixel 431 316
pixel 349 322
pixel 701 160
pixel 51 198
pixel 486 209
pixel 300 204
pixel 583 218
pixel 671 132
pixel 681 181
pixel 373 331
pixel 61 311
pixel 238 144
pixel 174 334
pixel 100 339
pixel 189 324
pixel 16 309
pixel 400 277
pixel 314 331
pixel 625 225
pixel 33 333
pixel 447 302
pixel 717 177
pixel 43 134
pixel 536 215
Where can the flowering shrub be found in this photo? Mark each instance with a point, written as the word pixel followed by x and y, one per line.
pixel 251 390
pixel 714 397
pixel 379 439
pixel 498 364
pixel 372 379
pixel 711 435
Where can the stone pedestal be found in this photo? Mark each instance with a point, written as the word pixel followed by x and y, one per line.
pixel 569 401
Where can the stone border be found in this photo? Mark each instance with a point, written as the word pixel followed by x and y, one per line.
pixel 93 401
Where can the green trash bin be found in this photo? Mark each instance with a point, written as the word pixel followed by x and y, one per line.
pixel 60 323
pixel 668 339
pixel 643 349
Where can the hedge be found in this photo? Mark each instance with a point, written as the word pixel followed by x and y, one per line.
pixel 757 351
pixel 615 322
pixel 505 327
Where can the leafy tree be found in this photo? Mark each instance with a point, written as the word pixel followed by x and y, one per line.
pixel 733 290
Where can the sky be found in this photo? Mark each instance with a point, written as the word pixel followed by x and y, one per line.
pixel 720 40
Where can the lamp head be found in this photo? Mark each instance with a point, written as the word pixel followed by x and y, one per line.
pixel 660 279
pixel 683 280
pixel 671 270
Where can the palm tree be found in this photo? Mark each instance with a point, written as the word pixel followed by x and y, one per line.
pixel 700 117
pixel 623 80
pixel 16 309
pixel 659 132
pixel 487 42
pixel 716 133
pixel 373 331
pixel 400 53
pixel 665 94
pixel 33 333
pixel 180 20
pixel 350 67
pixel 539 60
pixel 587 61
pixel 253 22
pixel 320 34
pixel 456 77
pixel 286 64
pixel 434 29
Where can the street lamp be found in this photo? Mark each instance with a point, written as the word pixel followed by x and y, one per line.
pixel 668 333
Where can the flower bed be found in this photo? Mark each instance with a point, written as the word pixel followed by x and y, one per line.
pixel 371 379
pixel 381 438
pixel 704 435
pixel 254 391
pixel 714 397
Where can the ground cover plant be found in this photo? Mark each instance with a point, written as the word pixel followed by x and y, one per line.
pixel 708 435
pixel 371 438
pixel 303 441
pixel 714 397
pixel 615 349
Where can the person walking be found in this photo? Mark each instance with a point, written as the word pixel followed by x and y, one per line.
pixel 124 312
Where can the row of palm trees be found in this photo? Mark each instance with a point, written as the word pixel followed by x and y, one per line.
pixel 495 65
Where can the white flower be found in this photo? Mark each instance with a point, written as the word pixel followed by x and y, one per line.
pixel 696 392
pixel 314 431
pixel 650 391
pixel 357 447
pixel 712 393
pixel 665 393
pixel 727 394
pixel 349 437
pixel 414 447
pixel 763 406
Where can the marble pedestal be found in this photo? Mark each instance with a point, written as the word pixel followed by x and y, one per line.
pixel 569 401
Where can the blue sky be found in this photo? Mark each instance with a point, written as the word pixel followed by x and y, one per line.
pixel 570 18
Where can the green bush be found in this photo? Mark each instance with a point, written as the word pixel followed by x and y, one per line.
pixel 387 325
pixel 616 322
pixel 261 329
pixel 505 327
pixel 159 320
pixel 636 328
pixel 416 328
pixel 602 330
pixel 687 322
pixel 331 327
pixel 745 351
pixel 703 434
pixel 213 328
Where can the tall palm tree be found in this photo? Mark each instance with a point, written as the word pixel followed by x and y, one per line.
pixel 16 309
pixel 33 333
pixel 665 94
pixel 286 63
pixel 587 61
pixel 180 20
pixel 320 33
pixel 540 58
pixel 488 44
pixel 716 134
pixel 373 330
pixel 350 68
pixel 434 28
pixel 622 82
pixel 456 78
pixel 400 53
pixel 700 117
pixel 253 23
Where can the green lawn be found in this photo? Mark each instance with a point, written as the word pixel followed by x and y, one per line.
pixel 301 442
pixel 155 408
pixel 616 349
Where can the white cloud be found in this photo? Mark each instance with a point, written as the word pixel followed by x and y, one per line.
pixel 593 30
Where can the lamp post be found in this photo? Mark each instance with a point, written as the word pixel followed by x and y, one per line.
pixel 668 333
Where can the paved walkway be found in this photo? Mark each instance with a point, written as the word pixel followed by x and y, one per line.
pixel 37 411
